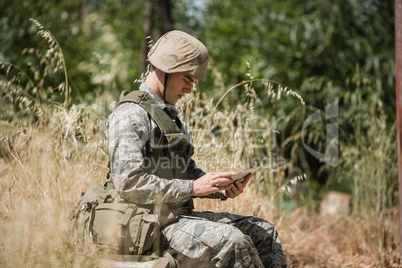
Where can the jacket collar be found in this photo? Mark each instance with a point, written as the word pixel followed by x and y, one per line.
pixel 163 105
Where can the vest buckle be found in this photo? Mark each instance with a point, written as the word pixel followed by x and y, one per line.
pixel 143 97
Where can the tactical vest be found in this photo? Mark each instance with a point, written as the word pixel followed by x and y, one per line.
pixel 166 153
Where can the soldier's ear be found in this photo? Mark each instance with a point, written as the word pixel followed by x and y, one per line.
pixel 159 72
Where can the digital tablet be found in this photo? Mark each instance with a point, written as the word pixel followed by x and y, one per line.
pixel 240 175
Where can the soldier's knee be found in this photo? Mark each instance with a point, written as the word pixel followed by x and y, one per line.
pixel 267 226
pixel 239 238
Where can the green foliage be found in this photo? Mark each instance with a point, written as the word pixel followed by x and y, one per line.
pixel 115 44
pixel 289 41
pixel 101 52
pixel 29 93
pixel 327 51
pixel 61 19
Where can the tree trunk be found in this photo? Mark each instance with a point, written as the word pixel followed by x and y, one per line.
pixel 147 28
pixel 167 23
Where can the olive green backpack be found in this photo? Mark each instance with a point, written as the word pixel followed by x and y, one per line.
pixel 106 219
pixel 125 231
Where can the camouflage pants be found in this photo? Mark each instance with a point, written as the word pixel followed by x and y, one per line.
pixel 208 239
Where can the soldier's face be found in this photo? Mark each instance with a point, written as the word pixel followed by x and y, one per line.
pixel 178 85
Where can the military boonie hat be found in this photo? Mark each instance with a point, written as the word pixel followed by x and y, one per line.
pixel 177 51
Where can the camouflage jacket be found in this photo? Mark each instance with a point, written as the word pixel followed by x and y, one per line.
pixel 127 129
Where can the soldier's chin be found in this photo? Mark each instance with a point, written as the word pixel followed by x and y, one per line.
pixel 174 101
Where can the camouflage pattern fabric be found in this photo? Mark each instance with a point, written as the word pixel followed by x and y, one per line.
pixel 203 238
pixel 209 239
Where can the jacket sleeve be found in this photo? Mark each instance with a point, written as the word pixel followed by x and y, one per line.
pixel 128 129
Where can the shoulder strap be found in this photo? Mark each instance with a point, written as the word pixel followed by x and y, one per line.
pixel 162 119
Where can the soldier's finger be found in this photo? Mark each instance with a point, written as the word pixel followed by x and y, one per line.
pixel 230 194
pixel 235 189
pixel 246 179
pixel 217 188
pixel 222 182
pixel 239 186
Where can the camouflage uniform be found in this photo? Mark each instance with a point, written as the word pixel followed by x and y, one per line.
pixel 204 239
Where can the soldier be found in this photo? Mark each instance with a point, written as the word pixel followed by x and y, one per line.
pixel 151 167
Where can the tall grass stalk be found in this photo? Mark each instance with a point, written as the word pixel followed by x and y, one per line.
pixel 56 53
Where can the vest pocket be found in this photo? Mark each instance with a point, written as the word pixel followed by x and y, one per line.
pixel 177 143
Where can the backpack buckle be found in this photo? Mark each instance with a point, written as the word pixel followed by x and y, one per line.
pixel 108 199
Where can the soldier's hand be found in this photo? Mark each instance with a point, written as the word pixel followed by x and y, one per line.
pixel 208 183
pixel 237 187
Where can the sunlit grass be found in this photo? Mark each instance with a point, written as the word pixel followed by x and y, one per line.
pixel 43 175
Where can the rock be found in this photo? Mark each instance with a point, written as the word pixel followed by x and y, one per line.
pixel 335 203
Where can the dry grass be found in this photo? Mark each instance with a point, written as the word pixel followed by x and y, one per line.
pixel 41 179
pixel 312 240
pixel 43 175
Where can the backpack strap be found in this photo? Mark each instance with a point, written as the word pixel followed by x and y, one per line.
pixel 162 119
